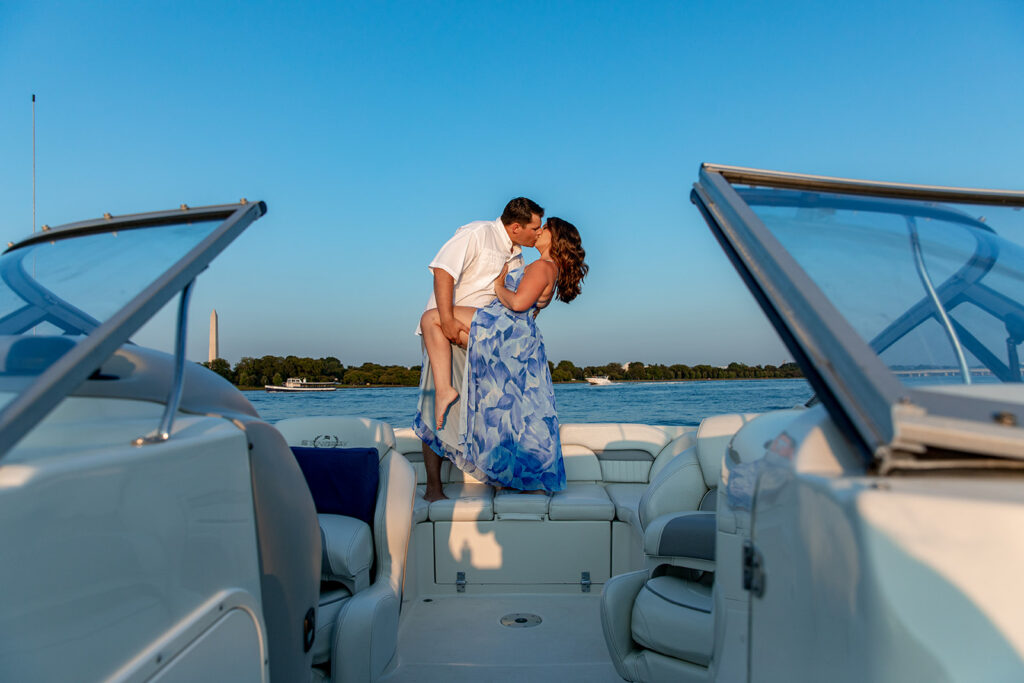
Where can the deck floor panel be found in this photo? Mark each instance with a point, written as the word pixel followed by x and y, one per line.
pixel 460 638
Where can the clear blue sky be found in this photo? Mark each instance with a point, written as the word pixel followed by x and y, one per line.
pixel 374 129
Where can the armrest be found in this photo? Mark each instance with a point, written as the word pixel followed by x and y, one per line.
pixel 347 551
pixel 684 539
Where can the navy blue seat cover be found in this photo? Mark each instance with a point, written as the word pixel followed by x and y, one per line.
pixel 343 481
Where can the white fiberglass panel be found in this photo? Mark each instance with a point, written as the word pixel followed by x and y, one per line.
pixel 117 544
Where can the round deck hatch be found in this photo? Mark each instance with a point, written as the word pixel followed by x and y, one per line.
pixel 520 620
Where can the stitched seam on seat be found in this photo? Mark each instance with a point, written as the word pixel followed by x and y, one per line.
pixel 676 602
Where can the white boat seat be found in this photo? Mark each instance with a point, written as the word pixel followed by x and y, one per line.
pixel 347 551
pixel 659 625
pixel 518 505
pixel 631 661
pixel 466 502
pixel 333 597
pixel 580 501
pixel 362 630
pixel 673 616
pixel 626 498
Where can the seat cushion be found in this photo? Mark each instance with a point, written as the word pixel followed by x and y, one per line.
pixel 673 616
pixel 466 502
pixel 517 505
pixel 343 481
pixel 333 597
pixel 581 501
pixel 347 551
pixel 626 498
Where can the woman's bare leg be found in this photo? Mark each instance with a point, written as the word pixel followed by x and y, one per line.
pixel 439 353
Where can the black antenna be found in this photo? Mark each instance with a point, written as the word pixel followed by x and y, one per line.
pixel 33 163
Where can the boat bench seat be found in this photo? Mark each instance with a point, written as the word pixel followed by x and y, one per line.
pixel 594 454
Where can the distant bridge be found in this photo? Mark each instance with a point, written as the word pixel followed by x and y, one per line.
pixel 942 372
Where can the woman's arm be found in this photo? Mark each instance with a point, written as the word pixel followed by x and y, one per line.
pixel 538 276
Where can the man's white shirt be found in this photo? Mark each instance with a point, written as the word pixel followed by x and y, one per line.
pixel 474 257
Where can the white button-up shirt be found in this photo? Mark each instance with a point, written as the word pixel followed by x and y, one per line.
pixel 474 256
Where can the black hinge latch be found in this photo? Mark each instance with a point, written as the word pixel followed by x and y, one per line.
pixel 753 569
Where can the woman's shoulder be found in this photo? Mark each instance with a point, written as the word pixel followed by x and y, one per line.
pixel 543 265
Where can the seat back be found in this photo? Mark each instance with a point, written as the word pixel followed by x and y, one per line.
pixel 393 510
pixel 689 480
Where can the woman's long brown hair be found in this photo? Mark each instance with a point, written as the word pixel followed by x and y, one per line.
pixel 568 254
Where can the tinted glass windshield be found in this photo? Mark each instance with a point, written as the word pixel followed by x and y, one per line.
pixel 70 286
pixel 924 284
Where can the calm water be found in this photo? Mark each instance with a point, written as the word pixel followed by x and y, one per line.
pixel 667 403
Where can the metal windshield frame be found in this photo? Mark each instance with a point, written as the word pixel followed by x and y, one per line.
pixel 860 392
pixel 62 377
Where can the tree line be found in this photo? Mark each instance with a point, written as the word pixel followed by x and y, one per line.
pixel 259 372
pixel 566 371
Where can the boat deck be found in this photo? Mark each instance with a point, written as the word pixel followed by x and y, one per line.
pixel 460 638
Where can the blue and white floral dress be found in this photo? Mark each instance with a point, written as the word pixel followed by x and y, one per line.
pixel 509 422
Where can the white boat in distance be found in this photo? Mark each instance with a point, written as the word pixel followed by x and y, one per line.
pixel 296 384
pixel 599 381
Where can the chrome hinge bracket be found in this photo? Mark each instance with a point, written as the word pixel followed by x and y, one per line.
pixel 460 582
pixel 585 582
pixel 753 569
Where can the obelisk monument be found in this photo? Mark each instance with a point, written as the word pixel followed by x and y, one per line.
pixel 214 350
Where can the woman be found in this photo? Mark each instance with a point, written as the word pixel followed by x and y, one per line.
pixel 510 426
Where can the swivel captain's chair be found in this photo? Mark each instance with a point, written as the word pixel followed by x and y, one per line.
pixel 658 622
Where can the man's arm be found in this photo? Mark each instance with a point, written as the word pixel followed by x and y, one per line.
pixel 444 291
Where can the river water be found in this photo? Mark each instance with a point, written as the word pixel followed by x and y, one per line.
pixel 665 403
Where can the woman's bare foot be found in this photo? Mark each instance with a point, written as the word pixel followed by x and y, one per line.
pixel 432 494
pixel 444 399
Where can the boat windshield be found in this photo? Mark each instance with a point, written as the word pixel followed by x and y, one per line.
pixel 71 296
pixel 903 304
pixel 70 286
pixel 935 289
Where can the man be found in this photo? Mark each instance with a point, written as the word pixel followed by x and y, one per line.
pixel 464 271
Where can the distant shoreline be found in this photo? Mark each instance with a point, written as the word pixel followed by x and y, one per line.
pixel 618 381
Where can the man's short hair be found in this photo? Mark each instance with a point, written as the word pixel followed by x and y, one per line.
pixel 520 210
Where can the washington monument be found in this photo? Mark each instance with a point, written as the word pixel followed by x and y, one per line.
pixel 214 351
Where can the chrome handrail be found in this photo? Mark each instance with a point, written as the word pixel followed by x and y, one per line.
pixel 163 432
pixel 922 272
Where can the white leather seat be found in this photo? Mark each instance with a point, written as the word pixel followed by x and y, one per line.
pixel 581 501
pixel 359 632
pixel 658 622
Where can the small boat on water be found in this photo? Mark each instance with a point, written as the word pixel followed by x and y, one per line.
pixel 296 384
pixel 599 381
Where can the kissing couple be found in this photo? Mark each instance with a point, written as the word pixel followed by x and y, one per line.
pixel 486 399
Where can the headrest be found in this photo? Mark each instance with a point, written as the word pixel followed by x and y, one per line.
pixel 337 432
pixel 407 443
pixel 713 437
pixel 581 464
pixel 611 437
